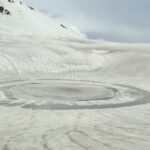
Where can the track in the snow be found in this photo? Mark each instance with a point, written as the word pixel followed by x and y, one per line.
pixel 70 94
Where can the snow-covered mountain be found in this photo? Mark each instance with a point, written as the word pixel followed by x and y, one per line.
pixel 45 81
pixel 18 18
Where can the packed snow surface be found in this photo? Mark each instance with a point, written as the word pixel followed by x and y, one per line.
pixel 60 91
pixel 64 93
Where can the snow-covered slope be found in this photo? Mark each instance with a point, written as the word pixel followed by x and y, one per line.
pixel 18 18
pixel 41 74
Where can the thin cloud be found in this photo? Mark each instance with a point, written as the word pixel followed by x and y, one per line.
pixel 116 20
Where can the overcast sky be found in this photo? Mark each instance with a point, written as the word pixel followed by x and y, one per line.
pixel 115 20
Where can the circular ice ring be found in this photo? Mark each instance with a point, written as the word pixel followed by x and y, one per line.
pixel 70 94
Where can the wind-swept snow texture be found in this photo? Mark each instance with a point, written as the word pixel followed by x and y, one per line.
pixel 52 58
pixel 59 91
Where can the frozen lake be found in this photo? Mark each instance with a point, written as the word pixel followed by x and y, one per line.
pixel 69 94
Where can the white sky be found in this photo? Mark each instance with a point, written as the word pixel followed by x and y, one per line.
pixel 115 20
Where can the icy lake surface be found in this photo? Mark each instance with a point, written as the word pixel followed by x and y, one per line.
pixel 71 94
